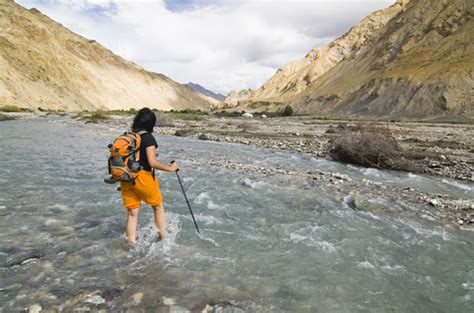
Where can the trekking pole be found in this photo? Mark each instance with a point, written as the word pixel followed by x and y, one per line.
pixel 185 197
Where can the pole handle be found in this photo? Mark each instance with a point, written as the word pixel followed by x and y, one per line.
pixel 174 162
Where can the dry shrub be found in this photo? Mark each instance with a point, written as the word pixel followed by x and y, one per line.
pixel 163 120
pixel 247 126
pixel 331 130
pixel 369 145
pixel 182 132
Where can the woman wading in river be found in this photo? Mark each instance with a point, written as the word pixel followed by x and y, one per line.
pixel 145 186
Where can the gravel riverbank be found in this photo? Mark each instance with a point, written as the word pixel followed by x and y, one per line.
pixel 445 150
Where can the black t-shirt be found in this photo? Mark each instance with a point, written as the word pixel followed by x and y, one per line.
pixel 147 141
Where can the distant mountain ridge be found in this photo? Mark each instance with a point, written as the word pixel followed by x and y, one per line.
pixel 204 91
pixel 43 64
pixel 413 60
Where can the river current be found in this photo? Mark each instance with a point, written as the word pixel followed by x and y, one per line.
pixel 267 243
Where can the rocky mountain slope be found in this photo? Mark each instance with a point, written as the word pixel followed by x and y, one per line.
pixel 296 76
pixel 412 60
pixel 43 64
pixel 219 97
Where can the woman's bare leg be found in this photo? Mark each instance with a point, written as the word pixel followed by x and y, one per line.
pixel 160 220
pixel 131 226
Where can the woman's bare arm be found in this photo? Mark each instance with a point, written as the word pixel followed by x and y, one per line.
pixel 151 156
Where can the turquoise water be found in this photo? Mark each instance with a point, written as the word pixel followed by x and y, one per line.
pixel 267 243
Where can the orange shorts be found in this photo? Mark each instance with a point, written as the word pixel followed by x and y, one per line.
pixel 146 188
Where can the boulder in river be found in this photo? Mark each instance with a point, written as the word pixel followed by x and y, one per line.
pixel 35 308
pixel 360 203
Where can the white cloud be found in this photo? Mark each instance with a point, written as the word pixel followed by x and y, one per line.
pixel 221 45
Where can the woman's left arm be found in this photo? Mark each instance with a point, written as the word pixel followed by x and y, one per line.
pixel 151 156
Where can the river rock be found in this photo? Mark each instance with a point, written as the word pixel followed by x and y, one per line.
pixel 94 299
pixel 137 298
pixel 361 203
pixel 35 308
pixel 433 202
pixel 30 260
pixel 260 221
pixel 221 307
pixel 357 202
pixel 167 301
pixel 203 137
pixel 111 293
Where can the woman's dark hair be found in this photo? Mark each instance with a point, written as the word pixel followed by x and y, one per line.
pixel 144 120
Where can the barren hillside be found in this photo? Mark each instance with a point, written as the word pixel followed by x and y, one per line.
pixel 416 61
pixel 43 64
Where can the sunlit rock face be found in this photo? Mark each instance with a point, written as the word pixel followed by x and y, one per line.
pixel 43 64
pixel 413 59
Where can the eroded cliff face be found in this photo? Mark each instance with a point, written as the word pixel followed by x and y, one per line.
pixel 43 64
pixel 298 75
pixel 419 63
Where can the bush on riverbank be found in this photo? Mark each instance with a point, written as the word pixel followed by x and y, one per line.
pixel 288 111
pixel 92 118
pixel 12 109
pixel 188 116
pixel 163 120
pixel 4 117
pixel 182 133
pixel 369 145
pixel 97 117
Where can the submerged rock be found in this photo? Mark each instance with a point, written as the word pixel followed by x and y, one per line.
pixel 361 203
pixel 210 306
pixel 26 258
pixel 94 299
pixel 137 298
pixel 35 308
pixel 111 293
pixel 167 301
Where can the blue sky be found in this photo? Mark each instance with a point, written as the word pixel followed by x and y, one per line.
pixel 179 5
pixel 221 44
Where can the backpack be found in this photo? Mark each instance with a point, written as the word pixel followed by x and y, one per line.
pixel 124 159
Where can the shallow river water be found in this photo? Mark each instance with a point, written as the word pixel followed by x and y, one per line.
pixel 267 243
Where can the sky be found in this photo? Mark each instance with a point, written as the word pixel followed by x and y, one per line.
pixel 222 45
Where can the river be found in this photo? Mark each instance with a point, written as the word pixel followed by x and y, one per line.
pixel 270 243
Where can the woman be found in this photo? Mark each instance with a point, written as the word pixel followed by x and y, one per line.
pixel 146 186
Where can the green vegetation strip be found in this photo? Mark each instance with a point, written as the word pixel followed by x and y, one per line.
pixel 12 109
pixel 188 116
pixel 4 117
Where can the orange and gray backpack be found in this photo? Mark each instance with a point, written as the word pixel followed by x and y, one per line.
pixel 124 160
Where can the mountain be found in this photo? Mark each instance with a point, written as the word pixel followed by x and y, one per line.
pixel 206 92
pixel 43 64
pixel 235 96
pixel 413 60
pixel 296 76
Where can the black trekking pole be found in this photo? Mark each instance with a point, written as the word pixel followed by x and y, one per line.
pixel 185 197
